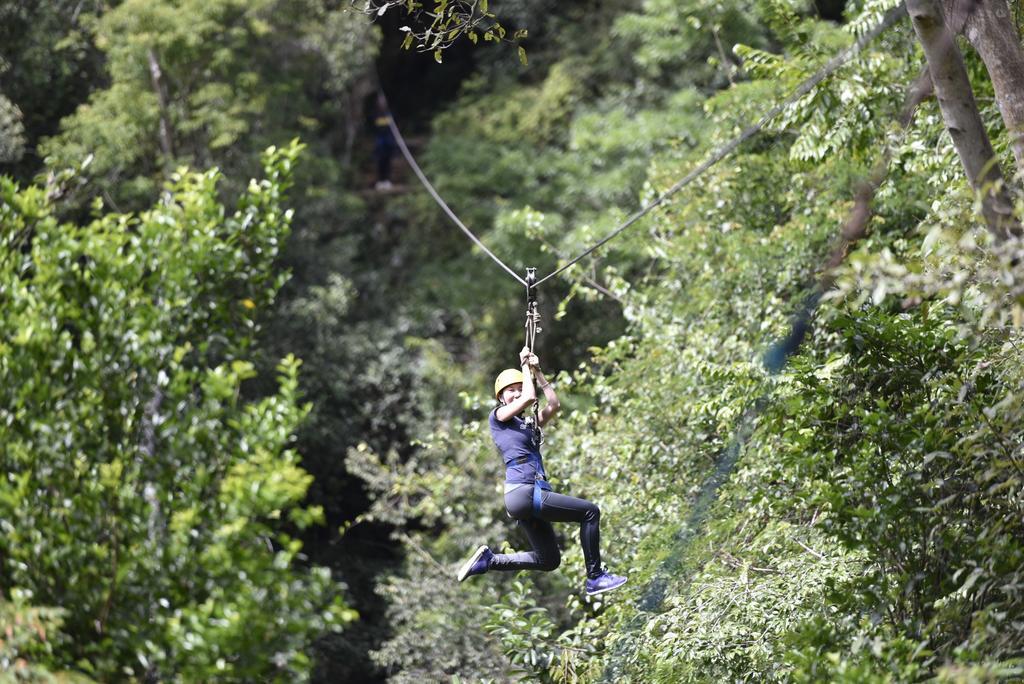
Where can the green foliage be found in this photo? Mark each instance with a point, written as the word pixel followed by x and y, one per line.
pixel 436 30
pixel 684 44
pixel 47 66
pixel 850 111
pixel 523 628
pixel 142 494
pixel 237 77
pixel 12 131
pixel 856 518
pixel 915 467
pixel 346 47
pixel 197 82
pixel 28 634
pixel 418 490
pixel 531 639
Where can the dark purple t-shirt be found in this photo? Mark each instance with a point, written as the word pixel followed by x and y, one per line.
pixel 515 440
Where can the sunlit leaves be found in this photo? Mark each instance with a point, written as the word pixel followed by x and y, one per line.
pixel 440 27
pixel 135 471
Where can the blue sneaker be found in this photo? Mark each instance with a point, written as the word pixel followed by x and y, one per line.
pixel 477 563
pixel 606 581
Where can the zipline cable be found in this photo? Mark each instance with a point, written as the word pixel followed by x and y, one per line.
pixel 727 149
pixel 440 201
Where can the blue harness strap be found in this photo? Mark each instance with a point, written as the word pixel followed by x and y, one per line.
pixel 538 487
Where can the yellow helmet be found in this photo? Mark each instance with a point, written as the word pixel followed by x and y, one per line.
pixel 509 376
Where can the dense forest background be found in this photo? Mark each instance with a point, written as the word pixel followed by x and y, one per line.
pixel 242 391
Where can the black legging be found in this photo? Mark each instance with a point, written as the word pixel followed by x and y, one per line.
pixel 382 150
pixel 554 508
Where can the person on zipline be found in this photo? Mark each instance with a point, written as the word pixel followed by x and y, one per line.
pixel 528 496
pixel 383 144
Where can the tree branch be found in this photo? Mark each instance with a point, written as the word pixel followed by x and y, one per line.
pixel 960 113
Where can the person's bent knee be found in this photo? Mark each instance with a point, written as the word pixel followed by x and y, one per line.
pixel 551 562
pixel 593 512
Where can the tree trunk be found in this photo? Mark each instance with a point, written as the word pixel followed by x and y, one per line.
pixel 157 522
pixel 990 29
pixel 156 76
pixel 960 113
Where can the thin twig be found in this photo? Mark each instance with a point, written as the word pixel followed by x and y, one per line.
pixel 809 550
pixel 422 552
